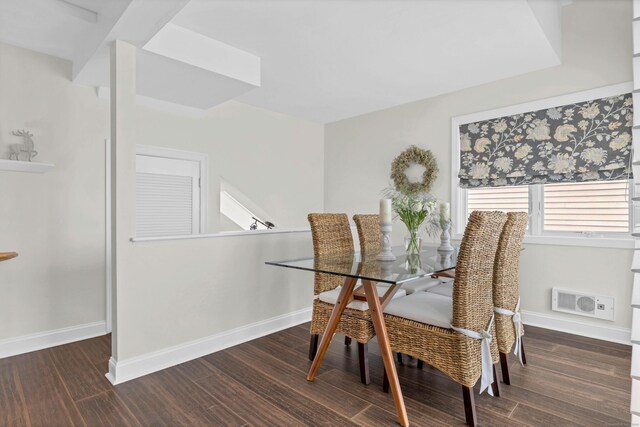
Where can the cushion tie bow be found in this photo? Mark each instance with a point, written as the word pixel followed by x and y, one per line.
pixel 487 365
pixel 517 324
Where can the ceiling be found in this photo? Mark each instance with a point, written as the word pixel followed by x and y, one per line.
pixel 323 60
pixel 53 27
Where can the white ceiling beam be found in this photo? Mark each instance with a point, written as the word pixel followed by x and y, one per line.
pixel 109 16
pixel 182 44
pixel 135 21
pixel 77 11
pixel 197 71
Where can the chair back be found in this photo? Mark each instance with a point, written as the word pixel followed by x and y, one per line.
pixel 505 276
pixel 369 233
pixel 331 235
pixel 473 283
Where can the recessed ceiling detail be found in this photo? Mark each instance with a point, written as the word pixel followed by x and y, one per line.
pixel 330 60
pixel 204 52
pixel 323 60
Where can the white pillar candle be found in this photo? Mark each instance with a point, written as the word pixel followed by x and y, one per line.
pixel 385 211
pixel 445 211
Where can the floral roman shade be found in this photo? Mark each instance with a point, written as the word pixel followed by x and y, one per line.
pixel 587 141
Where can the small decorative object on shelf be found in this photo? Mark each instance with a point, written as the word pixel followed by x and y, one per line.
pixel 445 226
pixel 385 228
pixel 24 151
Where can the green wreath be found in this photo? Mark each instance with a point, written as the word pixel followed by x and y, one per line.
pixel 409 156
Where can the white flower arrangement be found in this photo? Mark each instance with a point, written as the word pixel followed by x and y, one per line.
pixel 412 210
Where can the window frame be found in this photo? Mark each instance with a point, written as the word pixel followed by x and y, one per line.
pixel 535 233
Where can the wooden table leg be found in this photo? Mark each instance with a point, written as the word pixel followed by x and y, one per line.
pixel 343 299
pixel 388 296
pixel 385 350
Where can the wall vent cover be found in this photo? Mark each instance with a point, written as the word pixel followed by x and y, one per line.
pixel 590 305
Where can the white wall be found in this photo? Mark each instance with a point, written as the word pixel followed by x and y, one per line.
pixel 174 292
pixel 56 221
pixel 177 291
pixel 171 293
pixel 358 151
pixel 274 159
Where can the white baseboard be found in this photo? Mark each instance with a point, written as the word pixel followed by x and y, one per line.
pixel 562 324
pixel 128 369
pixel 28 343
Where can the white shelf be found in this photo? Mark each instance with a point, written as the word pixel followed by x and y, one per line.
pixel 20 166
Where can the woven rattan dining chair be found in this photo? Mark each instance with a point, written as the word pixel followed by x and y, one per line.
pixel 369 234
pixel 370 237
pixel 506 296
pixel 331 235
pixel 455 335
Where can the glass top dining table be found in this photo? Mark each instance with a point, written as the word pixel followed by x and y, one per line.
pixel 367 270
pixel 403 270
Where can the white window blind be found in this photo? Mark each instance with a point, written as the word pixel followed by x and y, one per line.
pixel 507 199
pixel 598 206
pixel 167 196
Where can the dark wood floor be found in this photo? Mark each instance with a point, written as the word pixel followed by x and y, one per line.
pixel 569 381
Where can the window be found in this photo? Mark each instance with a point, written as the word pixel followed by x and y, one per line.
pixel 169 197
pixel 585 208
pixel 508 199
pixel 236 211
pixel 593 213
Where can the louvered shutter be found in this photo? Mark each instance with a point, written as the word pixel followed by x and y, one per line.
pixel 167 196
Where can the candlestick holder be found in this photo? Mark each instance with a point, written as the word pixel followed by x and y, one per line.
pixel 385 244
pixel 445 259
pixel 445 239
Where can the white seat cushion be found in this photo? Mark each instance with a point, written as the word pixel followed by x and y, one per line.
pixel 423 307
pixel 332 296
pixel 444 289
pixel 420 285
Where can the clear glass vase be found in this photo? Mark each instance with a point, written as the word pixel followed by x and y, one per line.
pixel 413 264
pixel 413 243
